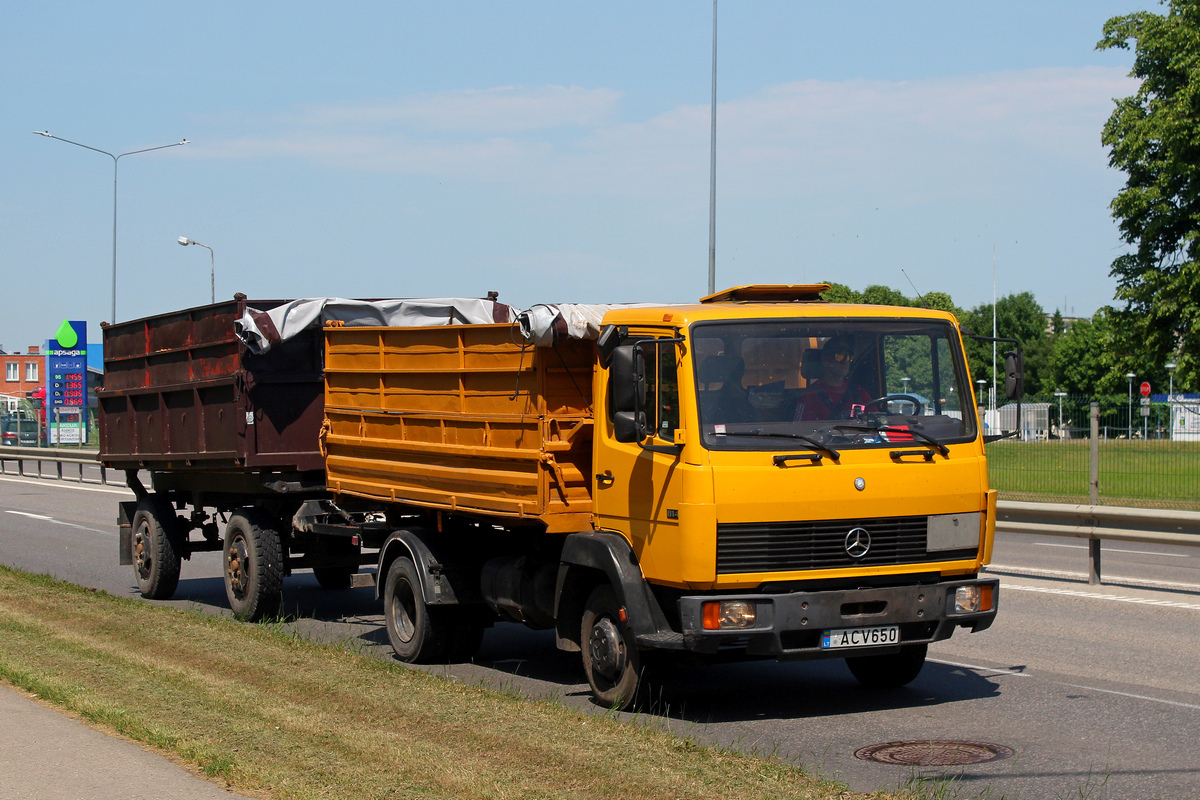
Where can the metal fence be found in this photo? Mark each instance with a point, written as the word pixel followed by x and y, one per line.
pixel 1103 451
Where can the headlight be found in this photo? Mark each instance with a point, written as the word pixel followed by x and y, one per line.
pixel 729 614
pixel 971 599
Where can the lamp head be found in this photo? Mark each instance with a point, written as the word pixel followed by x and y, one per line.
pixel 183 240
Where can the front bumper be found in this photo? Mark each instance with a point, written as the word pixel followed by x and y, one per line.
pixel 790 626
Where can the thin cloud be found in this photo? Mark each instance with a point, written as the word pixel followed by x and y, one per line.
pixel 568 139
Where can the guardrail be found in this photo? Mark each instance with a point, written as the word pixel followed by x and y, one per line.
pixel 56 456
pixel 1096 523
pixel 1092 522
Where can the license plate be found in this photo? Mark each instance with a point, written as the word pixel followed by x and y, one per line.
pixel 860 637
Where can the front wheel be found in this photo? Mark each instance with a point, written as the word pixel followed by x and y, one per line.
pixel 157 548
pixel 611 659
pixel 889 671
pixel 253 558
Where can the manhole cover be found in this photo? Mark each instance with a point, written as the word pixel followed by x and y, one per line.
pixel 933 753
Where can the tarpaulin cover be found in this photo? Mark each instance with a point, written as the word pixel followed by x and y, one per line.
pixel 539 325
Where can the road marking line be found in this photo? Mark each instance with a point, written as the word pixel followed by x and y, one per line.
pixel 998 671
pixel 43 518
pixel 1135 696
pixel 27 514
pixel 65 485
pixel 1114 550
pixel 993 670
pixel 1144 601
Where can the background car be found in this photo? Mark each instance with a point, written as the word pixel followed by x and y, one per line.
pixel 16 431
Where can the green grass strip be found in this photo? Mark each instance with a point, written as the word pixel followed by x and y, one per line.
pixel 268 713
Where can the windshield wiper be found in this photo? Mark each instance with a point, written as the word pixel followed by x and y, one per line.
pixel 941 448
pixel 834 454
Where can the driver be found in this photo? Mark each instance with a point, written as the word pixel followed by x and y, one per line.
pixel 832 395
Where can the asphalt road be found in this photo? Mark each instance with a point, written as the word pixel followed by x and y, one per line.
pixel 1096 690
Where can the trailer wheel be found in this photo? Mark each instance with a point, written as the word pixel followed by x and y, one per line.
pixel 253 558
pixel 419 634
pixel 157 548
pixel 890 671
pixel 611 659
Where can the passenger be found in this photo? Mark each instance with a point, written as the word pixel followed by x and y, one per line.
pixel 830 394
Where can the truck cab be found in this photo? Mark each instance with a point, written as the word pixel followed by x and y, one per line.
pixel 796 479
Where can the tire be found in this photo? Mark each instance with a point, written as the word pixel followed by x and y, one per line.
pixel 253 560
pixel 611 659
pixel 336 576
pixel 419 634
pixel 157 548
pixel 890 671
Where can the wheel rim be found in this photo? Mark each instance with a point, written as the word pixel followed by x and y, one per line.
pixel 404 611
pixel 142 558
pixel 237 567
pixel 606 648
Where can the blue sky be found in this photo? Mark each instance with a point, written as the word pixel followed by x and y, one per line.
pixel 552 151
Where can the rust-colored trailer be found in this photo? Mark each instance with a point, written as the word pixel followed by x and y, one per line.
pixel 183 393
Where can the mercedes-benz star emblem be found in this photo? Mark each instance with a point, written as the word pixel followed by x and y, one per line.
pixel 857 543
pixel 860 484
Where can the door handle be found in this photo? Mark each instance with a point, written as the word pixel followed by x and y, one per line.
pixel 605 479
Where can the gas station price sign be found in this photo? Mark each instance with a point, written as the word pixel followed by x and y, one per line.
pixel 66 367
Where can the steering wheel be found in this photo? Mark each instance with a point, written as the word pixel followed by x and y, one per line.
pixel 918 407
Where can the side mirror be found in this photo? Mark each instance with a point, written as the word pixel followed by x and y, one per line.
pixel 1014 375
pixel 627 373
pixel 629 426
pixel 610 337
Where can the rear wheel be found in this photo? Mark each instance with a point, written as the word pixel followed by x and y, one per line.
pixel 157 548
pixel 611 659
pixel 889 671
pixel 253 558
pixel 419 634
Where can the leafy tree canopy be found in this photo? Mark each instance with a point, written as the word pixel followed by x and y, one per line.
pixel 1154 137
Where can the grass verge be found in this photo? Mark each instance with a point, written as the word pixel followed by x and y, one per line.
pixel 275 715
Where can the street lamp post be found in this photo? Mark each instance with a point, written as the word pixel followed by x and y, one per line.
pixel 1130 376
pixel 116 158
pixel 183 240
pixel 1060 394
pixel 982 383
pixel 1171 373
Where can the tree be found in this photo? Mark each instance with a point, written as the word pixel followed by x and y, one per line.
pixel 1154 137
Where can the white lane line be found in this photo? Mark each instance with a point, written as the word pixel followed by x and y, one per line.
pixel 54 483
pixel 27 514
pixel 43 518
pixel 992 670
pixel 1135 696
pixel 1114 550
pixel 1144 601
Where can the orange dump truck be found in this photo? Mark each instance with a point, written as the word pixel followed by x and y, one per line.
pixel 757 475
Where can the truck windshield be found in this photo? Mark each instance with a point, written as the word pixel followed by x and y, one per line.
pixel 840 383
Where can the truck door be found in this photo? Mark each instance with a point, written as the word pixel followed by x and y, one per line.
pixel 637 489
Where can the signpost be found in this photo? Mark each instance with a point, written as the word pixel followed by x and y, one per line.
pixel 1145 390
pixel 66 385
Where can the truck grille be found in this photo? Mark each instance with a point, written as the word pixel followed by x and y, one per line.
pixel 788 546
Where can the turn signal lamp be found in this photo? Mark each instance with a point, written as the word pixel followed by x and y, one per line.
pixel 970 599
pixel 729 614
